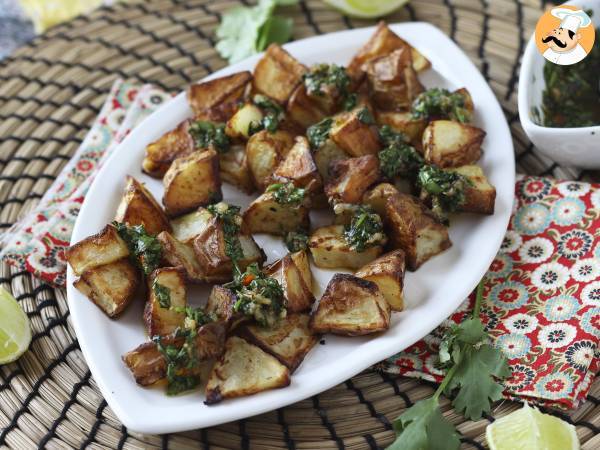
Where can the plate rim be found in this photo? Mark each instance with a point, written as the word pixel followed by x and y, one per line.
pixel 162 425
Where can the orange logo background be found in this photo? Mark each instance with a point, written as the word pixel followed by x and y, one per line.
pixel 548 22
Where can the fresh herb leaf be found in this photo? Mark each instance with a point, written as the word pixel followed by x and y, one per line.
pixel 162 294
pixel 144 247
pixel 318 133
pixel 446 189
pixel 296 241
pixel 365 116
pixel 365 230
pixel 230 218
pixel 246 30
pixel 441 104
pixel 258 295
pixel 286 193
pixel 208 134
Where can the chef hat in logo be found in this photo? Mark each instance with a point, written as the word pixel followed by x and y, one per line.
pixel 571 20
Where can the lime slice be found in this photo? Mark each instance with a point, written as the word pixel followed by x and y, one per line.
pixel 529 429
pixel 366 9
pixel 15 333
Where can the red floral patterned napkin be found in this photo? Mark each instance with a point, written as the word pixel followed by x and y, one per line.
pixel 37 243
pixel 541 298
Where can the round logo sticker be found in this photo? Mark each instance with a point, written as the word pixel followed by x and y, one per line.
pixel 565 35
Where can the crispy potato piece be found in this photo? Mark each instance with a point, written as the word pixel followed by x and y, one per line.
pixel 451 144
pixel 216 100
pixel 303 265
pixel 330 250
pixel 277 74
pixel 235 170
pixel 303 109
pixel 265 150
pixel 111 286
pixel 170 146
pixel 387 272
pixel 468 99
pixel 403 122
pixel 351 178
pixel 480 197
pixel 353 136
pixel 383 42
pixel 138 207
pixel 179 254
pixel 96 250
pixel 297 293
pixel 244 369
pixel 393 83
pixel 350 306
pixel 413 228
pixel 190 225
pixel 325 155
pixel 146 363
pixel 265 215
pixel 163 321
pixel 210 340
pixel 220 303
pixel 289 340
pixel 239 124
pixel 377 197
pixel 210 250
pixel 192 181
pixel 300 168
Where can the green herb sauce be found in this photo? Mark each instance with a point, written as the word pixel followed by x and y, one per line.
pixel 230 218
pixel 208 134
pixel 398 157
pixel 365 230
pixel 287 193
pixel 296 241
pixel 144 247
pixel 318 133
pixel 180 361
pixel 162 294
pixel 446 189
pixel 274 114
pixel 330 79
pixel 439 103
pixel 365 116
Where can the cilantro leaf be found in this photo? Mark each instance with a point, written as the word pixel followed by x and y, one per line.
pixel 276 29
pixel 422 427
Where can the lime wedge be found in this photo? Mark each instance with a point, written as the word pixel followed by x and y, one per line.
pixel 15 333
pixel 529 429
pixel 366 9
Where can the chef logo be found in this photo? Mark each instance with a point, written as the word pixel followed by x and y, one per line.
pixel 565 35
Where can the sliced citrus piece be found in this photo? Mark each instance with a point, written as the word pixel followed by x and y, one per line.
pixel 15 332
pixel 366 9
pixel 529 429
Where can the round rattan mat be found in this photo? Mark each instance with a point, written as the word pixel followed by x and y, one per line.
pixel 50 92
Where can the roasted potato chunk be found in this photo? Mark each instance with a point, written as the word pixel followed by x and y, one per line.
pixel 220 303
pixel 111 286
pixel 350 306
pixel 303 265
pixel 296 291
pixel 190 225
pixel 302 109
pixel 300 168
pixel 170 146
pixel 265 150
pixel 325 155
pixel 383 42
pixel 403 122
pixel 387 272
pixel 216 100
pixel 413 228
pixel 179 254
pixel 289 341
pixel 138 207
pixel 377 197
pixel 393 83
pixel 210 250
pixel 146 363
pixel 165 284
pixel 192 181
pixel 480 196
pixel 266 215
pixel 96 250
pixel 351 178
pixel 235 170
pixel 244 369
pixel 352 132
pixel 239 124
pixel 330 250
pixel 277 74
pixel 451 144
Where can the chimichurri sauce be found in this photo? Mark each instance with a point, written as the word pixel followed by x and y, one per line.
pixel 572 94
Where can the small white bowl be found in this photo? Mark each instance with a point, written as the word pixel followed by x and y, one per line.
pixel 579 147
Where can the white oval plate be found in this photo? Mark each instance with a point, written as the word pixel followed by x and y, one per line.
pixel 432 293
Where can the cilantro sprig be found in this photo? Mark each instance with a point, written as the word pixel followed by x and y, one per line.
pixel 474 367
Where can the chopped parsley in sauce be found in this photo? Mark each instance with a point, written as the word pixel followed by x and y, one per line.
pixel 286 193
pixel 162 294
pixel 365 230
pixel 143 246
pixel 445 188
pixel 230 218
pixel 330 79
pixel 274 114
pixel 439 103
pixel 181 361
pixel 398 157
pixel 296 241
pixel 318 133
pixel 208 134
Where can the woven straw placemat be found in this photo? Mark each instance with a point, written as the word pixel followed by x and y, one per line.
pixel 50 92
